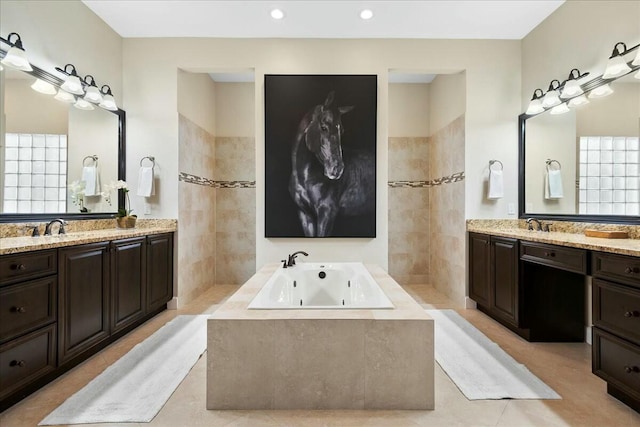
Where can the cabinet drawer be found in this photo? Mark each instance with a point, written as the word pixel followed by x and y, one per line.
pixel 569 259
pixel 27 306
pixel 14 268
pixel 616 308
pixel 617 362
pixel 621 268
pixel 27 358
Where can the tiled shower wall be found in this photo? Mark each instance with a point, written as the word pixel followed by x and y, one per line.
pixel 235 209
pixel 196 211
pixel 446 212
pixel 409 210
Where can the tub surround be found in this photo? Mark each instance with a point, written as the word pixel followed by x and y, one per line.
pixel 565 234
pixel 320 359
pixel 13 239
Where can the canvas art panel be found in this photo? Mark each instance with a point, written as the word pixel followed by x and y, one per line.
pixel 320 155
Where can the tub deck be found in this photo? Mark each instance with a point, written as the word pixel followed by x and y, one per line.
pixel 322 358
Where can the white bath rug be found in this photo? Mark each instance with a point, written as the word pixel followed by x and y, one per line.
pixel 135 388
pixel 478 366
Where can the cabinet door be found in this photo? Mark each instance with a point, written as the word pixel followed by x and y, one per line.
pixel 504 260
pixel 159 270
pixel 83 299
pixel 128 287
pixel 479 268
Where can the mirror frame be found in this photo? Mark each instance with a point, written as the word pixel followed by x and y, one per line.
pixel 122 164
pixel 522 124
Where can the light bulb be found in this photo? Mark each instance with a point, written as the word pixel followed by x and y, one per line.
pixel 43 87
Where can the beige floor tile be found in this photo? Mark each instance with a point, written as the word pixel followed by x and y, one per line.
pixel 566 367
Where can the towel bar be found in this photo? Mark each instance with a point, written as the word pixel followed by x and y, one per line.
pixel 94 158
pixel 549 161
pixel 150 158
pixel 491 162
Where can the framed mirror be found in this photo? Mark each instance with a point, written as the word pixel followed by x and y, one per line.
pixel 49 150
pixel 589 157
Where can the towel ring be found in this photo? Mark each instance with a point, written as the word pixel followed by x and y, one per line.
pixel 549 162
pixel 150 158
pixel 94 158
pixel 491 162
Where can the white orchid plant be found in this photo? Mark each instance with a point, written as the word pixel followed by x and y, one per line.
pixel 118 185
pixel 76 190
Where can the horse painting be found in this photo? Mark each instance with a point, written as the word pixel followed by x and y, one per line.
pixel 328 180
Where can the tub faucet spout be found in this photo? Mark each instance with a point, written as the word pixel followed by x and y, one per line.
pixel 292 258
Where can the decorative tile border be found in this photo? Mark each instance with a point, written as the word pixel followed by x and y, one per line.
pixel 198 180
pixel 456 177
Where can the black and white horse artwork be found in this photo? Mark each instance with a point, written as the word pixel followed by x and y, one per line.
pixel 328 179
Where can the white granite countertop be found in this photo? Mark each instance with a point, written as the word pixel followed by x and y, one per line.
pixel 575 240
pixel 12 245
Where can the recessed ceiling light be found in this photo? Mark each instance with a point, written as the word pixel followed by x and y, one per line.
pixel 366 14
pixel 277 14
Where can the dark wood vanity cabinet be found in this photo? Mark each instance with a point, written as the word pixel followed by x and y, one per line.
pixel 59 306
pixel 128 285
pixel 493 280
pixel 616 325
pixel 83 299
pixel 28 320
pixel 159 270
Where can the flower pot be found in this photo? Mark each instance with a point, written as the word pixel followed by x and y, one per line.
pixel 126 221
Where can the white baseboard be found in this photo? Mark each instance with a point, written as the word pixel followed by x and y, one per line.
pixel 469 303
pixel 587 336
pixel 172 304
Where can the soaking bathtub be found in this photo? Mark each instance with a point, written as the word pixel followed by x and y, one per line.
pixel 342 285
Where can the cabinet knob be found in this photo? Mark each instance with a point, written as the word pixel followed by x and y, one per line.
pixel 633 313
pixel 22 363
pixel 20 267
pixel 19 309
pixel 550 254
pixel 628 270
pixel 631 369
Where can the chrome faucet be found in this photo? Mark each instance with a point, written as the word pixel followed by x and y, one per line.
pixel 291 261
pixel 541 226
pixel 61 230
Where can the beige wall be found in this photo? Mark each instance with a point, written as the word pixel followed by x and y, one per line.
pixel 448 100
pixel 28 111
pixel 493 104
pixel 197 99
pixel 408 110
pixel 615 115
pixel 235 109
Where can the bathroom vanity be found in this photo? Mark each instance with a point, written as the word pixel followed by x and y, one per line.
pixel 535 284
pixel 64 298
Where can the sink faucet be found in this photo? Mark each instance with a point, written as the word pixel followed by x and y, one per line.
pixel 292 258
pixel 47 229
pixel 541 226
pixel 530 221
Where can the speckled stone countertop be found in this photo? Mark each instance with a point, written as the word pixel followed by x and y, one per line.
pixel 567 234
pixel 78 233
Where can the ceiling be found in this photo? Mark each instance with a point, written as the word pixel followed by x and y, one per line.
pixel 444 19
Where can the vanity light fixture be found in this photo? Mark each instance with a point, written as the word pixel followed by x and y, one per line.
pixel 535 105
pixel 571 86
pixel 82 104
pixel 15 57
pixel 43 87
pixel 551 98
pixel 560 109
pixel 277 14
pixel 617 66
pixel 601 91
pixel 578 101
pixel 93 93
pixel 72 83
pixel 65 96
pixel 108 102
pixel 366 14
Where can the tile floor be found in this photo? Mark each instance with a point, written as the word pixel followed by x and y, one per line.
pixel 564 367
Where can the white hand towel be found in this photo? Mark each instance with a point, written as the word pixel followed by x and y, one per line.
pixel 496 184
pixel 554 178
pixel 91 180
pixel 145 182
